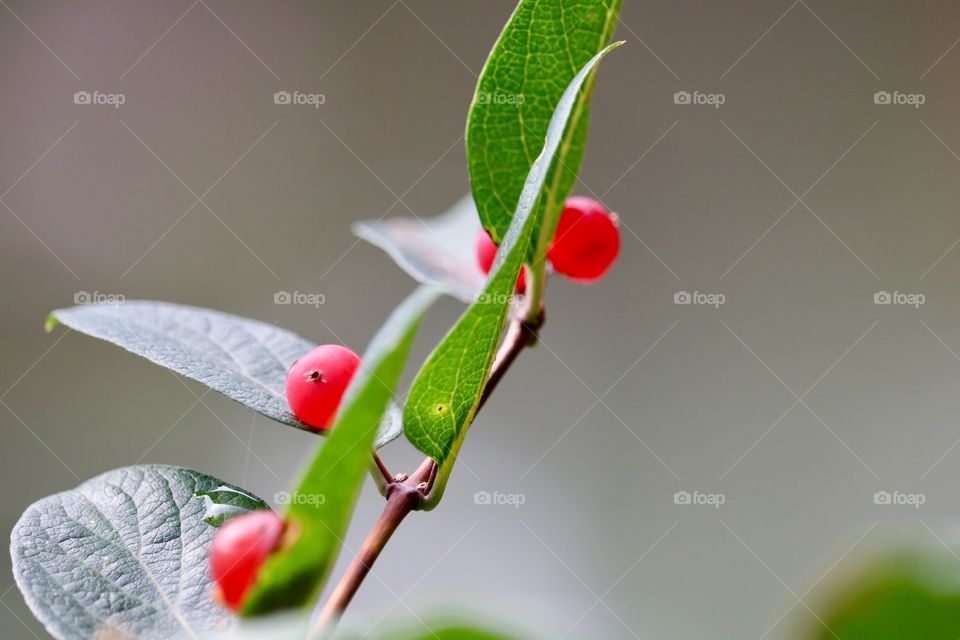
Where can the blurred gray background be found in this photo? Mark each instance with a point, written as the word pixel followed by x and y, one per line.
pixel 798 199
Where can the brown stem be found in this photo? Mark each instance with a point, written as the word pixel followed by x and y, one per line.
pixel 402 498
pixel 404 494
pixel 381 475
pixel 382 467
pixel 520 334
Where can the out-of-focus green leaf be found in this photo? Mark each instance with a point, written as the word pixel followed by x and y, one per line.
pixel 322 504
pixel 907 593
pixel 450 631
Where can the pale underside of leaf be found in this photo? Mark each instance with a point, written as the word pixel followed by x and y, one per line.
pixel 244 359
pixel 440 251
pixel 125 554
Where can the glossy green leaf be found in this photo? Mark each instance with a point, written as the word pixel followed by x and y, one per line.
pixel 445 394
pixel 440 251
pixel 124 555
pixel 539 52
pixel 241 358
pixel 320 508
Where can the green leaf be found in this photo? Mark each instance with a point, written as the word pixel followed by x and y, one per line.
pixel 124 555
pixel 902 592
pixel 241 358
pixel 445 394
pixel 449 628
pixel 321 507
pixel 539 52
pixel 440 251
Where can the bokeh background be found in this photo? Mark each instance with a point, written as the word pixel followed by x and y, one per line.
pixel 797 199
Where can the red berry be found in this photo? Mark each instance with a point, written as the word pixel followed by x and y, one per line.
pixel 487 251
pixel 316 382
pixel 238 550
pixel 587 240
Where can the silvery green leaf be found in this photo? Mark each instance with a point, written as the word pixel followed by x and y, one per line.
pixel 244 359
pixel 124 555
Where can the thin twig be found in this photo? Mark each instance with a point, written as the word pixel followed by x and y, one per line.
pixel 520 334
pixel 404 494
pixel 384 473
pixel 402 498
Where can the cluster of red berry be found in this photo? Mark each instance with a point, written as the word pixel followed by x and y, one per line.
pixel 585 245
